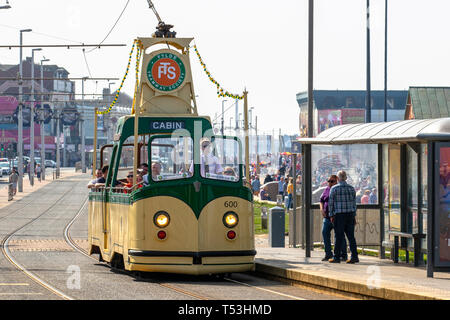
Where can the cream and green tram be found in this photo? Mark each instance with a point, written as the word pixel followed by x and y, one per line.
pixel 192 217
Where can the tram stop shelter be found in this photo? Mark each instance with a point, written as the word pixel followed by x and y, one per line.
pixel 401 172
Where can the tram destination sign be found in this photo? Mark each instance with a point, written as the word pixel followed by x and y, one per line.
pixel 166 72
pixel 167 125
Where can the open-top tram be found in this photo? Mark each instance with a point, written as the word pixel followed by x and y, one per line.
pixel 192 212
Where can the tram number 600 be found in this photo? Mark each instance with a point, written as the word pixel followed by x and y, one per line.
pixel 230 204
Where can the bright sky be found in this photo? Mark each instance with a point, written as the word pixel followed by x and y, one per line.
pixel 260 45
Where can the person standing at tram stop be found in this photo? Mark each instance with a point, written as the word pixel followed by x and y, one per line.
pixel 290 191
pixel 256 185
pixel 342 211
pixel 327 225
pixel 38 171
pixel 281 187
pixel 208 162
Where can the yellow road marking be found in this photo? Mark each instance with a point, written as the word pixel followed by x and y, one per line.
pixel 19 293
pixel 14 284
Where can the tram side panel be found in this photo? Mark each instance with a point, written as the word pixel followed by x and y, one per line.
pixel 95 223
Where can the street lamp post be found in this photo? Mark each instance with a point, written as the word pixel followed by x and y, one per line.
pixel 223 116
pixel 109 86
pixel 41 119
pixel 83 146
pixel 32 118
pixel 20 117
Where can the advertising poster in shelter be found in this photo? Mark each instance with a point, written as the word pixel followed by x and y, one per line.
pixel 443 214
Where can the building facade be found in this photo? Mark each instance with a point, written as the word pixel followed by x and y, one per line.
pixel 335 107
pixel 55 100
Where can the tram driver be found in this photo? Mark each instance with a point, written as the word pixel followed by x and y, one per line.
pixel 156 171
pixel 208 162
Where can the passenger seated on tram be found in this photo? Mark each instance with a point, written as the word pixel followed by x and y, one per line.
pixel 156 171
pixel 129 185
pixel 208 162
pixel 101 180
pixel 144 168
pixel 98 174
pixel 229 171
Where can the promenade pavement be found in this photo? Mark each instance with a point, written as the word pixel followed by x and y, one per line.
pixel 27 188
pixel 370 278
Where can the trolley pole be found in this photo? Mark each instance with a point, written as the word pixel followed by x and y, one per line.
pixel 247 167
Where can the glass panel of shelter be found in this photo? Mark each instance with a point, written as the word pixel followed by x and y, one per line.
pixel 394 187
pixel 412 197
pixel 358 160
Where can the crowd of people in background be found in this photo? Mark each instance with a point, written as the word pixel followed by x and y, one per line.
pixel 363 177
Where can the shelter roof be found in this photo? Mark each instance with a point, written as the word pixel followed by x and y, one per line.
pixel 385 132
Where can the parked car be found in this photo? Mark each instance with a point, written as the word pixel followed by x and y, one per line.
pixel 5 169
pixel 50 164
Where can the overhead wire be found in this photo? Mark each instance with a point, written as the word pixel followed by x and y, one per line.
pixel 225 111
pixel 126 5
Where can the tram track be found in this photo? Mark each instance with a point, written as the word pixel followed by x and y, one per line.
pixel 77 248
pixel 7 253
pixel 80 250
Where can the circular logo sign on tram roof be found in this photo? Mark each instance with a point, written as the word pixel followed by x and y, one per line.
pixel 166 72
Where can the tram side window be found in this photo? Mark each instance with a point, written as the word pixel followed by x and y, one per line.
pixel 171 158
pixel 220 159
pixel 126 162
pixel 126 158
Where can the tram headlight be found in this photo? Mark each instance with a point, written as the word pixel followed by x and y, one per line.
pixel 161 219
pixel 230 219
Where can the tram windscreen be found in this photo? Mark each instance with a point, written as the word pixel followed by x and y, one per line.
pixel 220 159
pixel 171 158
